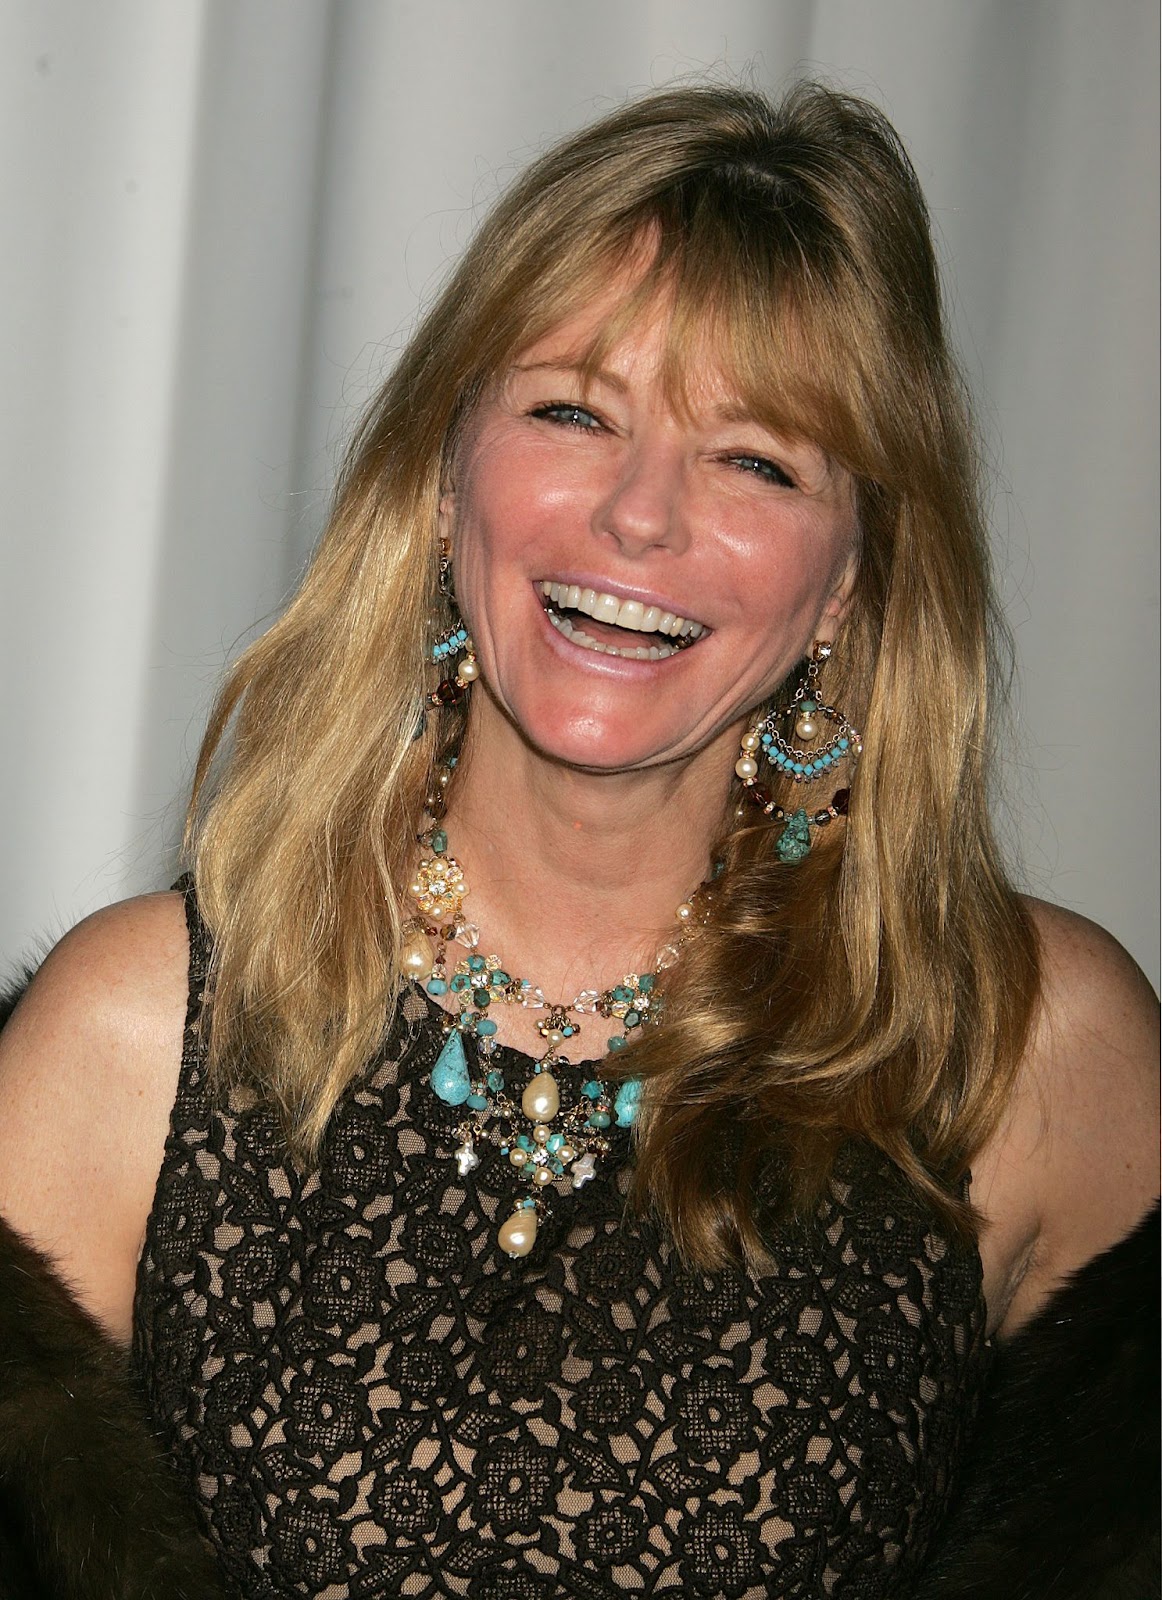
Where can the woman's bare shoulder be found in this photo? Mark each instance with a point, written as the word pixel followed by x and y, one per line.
pixel 88 1071
pixel 1075 1164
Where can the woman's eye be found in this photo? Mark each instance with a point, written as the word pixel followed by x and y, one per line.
pixel 567 415
pixel 761 467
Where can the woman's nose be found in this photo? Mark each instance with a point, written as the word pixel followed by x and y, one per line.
pixel 644 508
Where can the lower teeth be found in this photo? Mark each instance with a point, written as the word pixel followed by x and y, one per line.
pixel 654 652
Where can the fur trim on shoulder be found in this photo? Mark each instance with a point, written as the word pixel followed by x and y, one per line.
pixel 1060 1491
pixel 90 1506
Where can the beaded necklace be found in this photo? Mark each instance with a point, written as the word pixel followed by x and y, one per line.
pixel 543 1141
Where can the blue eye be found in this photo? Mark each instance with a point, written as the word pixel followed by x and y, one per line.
pixel 567 415
pixel 760 467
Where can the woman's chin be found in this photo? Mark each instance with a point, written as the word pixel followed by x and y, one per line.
pixel 600 727
pixel 593 745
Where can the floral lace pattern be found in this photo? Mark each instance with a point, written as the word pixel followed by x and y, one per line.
pixel 372 1400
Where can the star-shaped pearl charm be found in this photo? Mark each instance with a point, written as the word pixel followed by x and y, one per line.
pixel 466 1158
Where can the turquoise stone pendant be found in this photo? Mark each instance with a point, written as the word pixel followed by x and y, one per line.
pixel 626 1103
pixel 450 1081
pixel 795 840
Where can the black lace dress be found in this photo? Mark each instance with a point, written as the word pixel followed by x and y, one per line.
pixel 372 1400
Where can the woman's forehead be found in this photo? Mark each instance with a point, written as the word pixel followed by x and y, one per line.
pixel 616 338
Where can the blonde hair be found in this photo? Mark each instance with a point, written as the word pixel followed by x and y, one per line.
pixel 883 987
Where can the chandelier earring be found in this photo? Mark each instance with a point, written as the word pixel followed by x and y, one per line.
pixel 799 759
pixel 453 643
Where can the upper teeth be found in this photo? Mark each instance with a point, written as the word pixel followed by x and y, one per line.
pixel 630 614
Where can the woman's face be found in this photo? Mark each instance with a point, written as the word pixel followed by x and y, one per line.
pixel 572 503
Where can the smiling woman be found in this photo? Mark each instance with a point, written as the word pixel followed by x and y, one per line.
pixel 600 983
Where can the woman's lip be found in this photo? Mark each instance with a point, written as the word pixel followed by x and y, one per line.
pixel 602 661
pixel 622 591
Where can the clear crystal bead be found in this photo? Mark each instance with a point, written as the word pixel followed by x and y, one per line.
pixel 586 1001
pixel 533 998
pixel 468 934
pixel 667 956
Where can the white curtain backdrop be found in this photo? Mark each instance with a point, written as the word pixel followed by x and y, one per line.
pixel 221 217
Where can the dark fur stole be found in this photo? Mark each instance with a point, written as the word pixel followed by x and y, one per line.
pixel 1060 1489
pixel 91 1508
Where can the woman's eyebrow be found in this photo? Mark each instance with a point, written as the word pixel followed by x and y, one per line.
pixel 735 411
pixel 602 375
pixel 732 411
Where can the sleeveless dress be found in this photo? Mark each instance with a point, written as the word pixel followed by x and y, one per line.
pixel 372 1400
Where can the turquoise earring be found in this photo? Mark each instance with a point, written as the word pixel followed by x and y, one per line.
pixel 799 762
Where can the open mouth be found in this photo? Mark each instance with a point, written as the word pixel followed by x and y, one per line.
pixel 616 627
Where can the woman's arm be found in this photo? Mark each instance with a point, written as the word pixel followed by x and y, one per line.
pixel 88 1072
pixel 1074 1167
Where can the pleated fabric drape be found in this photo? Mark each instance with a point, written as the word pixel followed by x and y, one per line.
pixel 223 215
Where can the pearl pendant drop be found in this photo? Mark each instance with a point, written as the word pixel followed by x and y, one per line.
pixel 518 1235
pixel 806 728
pixel 416 957
pixel 542 1099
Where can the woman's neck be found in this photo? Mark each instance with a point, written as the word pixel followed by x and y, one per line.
pixel 575 877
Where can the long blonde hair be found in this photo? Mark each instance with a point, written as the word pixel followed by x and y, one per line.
pixel 883 987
